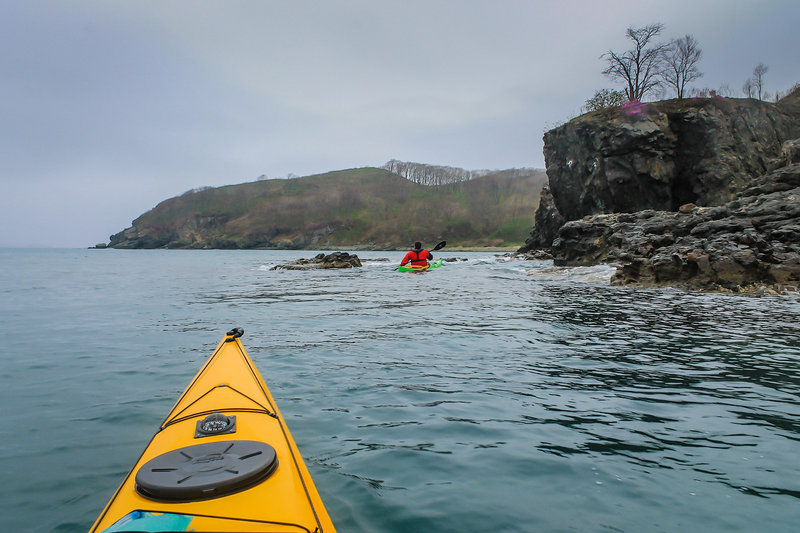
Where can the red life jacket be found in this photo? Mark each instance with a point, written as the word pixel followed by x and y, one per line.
pixel 418 258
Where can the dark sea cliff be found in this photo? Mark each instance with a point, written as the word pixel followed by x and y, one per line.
pixel 699 193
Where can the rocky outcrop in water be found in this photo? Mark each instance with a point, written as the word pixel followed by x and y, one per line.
pixel 702 194
pixel 752 240
pixel 334 260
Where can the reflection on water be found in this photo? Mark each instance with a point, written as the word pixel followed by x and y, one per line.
pixel 488 395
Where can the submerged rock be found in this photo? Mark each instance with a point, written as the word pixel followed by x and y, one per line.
pixel 533 255
pixel 333 260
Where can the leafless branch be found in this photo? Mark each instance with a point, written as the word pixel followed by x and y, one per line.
pixel 639 68
pixel 681 60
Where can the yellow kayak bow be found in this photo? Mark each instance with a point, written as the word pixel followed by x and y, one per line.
pixel 223 460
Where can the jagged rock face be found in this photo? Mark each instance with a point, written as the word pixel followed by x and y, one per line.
pixel 663 155
pixel 614 167
pixel 754 239
pixel 548 220
pixel 790 153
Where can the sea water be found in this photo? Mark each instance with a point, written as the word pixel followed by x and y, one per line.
pixel 487 395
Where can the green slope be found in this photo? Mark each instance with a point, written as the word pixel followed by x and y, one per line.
pixel 366 208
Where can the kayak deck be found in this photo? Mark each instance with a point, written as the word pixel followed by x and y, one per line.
pixel 435 264
pixel 222 460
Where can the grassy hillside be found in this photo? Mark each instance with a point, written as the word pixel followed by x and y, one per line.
pixel 367 208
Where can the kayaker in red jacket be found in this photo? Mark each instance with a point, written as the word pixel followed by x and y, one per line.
pixel 418 257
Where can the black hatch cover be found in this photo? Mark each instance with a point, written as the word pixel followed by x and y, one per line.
pixel 206 471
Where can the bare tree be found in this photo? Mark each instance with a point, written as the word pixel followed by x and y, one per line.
pixel 680 63
pixel 748 88
pixel 639 68
pixel 758 79
pixel 725 90
pixel 432 175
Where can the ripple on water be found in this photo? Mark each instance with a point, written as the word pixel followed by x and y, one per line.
pixel 490 394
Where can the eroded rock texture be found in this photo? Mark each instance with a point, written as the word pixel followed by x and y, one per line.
pixel 699 193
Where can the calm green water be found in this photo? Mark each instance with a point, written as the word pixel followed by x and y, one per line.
pixel 482 396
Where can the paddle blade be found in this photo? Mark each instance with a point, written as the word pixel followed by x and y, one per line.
pixel 439 246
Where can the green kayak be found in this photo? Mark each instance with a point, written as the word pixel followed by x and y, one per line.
pixel 435 264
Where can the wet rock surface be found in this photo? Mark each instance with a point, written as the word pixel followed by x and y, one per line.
pixel 333 260
pixel 705 197
pixel 751 241
pixel 547 222
pixel 663 155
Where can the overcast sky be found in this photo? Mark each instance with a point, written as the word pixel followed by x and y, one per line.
pixel 109 107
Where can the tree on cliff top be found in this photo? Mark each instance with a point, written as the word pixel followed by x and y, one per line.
pixel 754 87
pixel 604 98
pixel 680 63
pixel 640 68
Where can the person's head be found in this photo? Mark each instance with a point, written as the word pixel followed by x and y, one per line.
pixel 417 245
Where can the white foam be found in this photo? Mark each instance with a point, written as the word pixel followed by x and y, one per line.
pixel 587 274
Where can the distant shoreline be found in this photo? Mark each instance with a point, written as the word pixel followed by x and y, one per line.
pixel 327 249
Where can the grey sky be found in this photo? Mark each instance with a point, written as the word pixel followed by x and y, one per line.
pixel 109 107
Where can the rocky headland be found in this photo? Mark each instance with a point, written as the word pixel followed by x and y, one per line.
pixel 356 209
pixel 701 193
